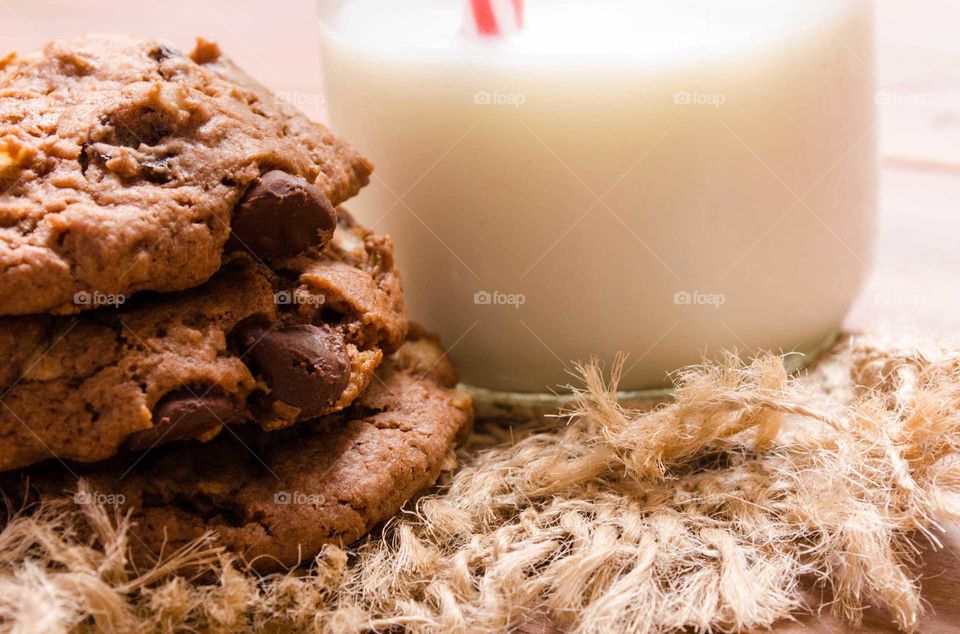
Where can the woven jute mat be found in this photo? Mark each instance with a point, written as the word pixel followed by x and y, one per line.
pixel 752 497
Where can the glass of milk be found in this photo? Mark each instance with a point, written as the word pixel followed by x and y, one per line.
pixel 665 179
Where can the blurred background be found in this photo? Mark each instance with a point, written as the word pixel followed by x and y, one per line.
pixel 918 261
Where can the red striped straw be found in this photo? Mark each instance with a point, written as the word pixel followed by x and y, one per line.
pixel 494 17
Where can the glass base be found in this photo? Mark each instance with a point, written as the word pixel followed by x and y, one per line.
pixel 521 406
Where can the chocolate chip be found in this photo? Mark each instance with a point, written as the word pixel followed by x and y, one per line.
pixel 162 52
pixel 184 414
pixel 156 170
pixel 280 216
pixel 305 366
pixel 136 126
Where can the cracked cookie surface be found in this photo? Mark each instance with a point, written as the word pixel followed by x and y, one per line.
pixel 166 367
pixel 122 161
pixel 276 498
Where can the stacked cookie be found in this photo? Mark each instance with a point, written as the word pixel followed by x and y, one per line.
pixel 189 322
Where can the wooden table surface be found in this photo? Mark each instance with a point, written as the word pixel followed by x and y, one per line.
pixel 917 272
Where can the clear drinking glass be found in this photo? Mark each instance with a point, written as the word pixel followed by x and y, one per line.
pixel 666 182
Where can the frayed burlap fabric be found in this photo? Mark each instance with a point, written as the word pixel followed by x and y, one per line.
pixel 714 512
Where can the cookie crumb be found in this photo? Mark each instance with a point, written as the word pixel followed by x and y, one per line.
pixel 205 52
pixel 7 59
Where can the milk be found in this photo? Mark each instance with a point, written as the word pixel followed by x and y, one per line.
pixel 665 179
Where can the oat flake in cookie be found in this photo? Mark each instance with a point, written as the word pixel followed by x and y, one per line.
pixel 249 345
pixel 123 163
pixel 276 498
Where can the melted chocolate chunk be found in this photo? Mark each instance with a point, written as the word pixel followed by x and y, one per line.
pixel 281 216
pixel 184 414
pixel 305 366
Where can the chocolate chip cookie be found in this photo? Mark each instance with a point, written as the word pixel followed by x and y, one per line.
pixel 275 346
pixel 276 498
pixel 124 163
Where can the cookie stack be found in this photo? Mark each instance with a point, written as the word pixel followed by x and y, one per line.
pixel 190 325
